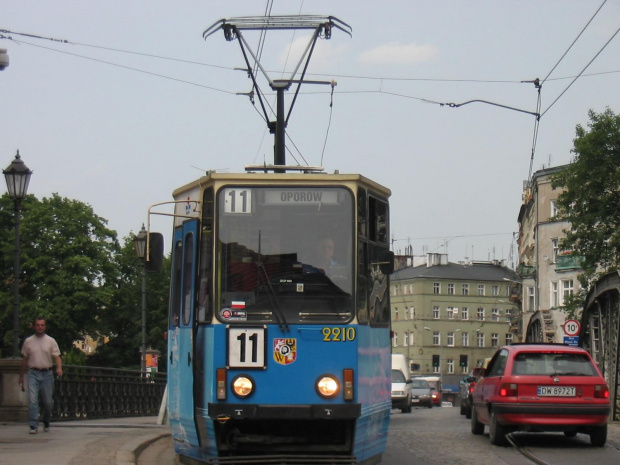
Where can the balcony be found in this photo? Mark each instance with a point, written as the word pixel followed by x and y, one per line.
pixel 568 261
pixel 526 271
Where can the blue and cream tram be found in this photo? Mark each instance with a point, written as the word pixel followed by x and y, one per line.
pixel 279 338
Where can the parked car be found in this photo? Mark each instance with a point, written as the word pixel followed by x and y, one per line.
pixel 435 383
pixel 467 386
pixel 538 388
pixel 401 391
pixel 421 393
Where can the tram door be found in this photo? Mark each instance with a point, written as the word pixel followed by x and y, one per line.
pixel 181 358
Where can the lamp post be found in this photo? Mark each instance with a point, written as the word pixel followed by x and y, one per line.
pixel 17 177
pixel 140 244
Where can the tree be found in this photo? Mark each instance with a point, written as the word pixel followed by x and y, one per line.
pixel 591 197
pixel 122 322
pixel 68 268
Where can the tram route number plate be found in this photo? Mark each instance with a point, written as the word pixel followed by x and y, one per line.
pixel 556 391
pixel 246 347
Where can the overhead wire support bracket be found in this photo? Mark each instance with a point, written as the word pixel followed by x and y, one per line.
pixel 456 105
pixel 322 27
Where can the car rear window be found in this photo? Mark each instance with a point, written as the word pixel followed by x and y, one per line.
pixel 552 364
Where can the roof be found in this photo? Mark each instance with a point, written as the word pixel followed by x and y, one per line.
pixel 470 271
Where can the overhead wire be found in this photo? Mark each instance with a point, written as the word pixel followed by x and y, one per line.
pixel 540 84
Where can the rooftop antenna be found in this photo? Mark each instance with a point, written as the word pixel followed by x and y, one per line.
pixel 233 30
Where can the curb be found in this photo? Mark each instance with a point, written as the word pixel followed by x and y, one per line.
pixel 129 452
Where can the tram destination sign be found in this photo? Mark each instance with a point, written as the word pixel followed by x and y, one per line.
pixel 300 196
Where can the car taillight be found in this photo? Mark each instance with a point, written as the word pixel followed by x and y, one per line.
pixel 471 387
pixel 601 391
pixel 508 390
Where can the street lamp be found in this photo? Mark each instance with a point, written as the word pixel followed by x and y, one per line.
pixel 17 177
pixel 140 243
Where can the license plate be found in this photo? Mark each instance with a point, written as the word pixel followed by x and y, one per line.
pixel 415 399
pixel 556 391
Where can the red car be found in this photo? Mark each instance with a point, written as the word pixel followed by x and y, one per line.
pixel 541 387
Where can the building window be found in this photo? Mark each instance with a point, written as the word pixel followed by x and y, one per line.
pixel 395 340
pixel 451 311
pixel 553 208
pixel 450 339
pixel 494 339
pixel 567 289
pixel 465 313
pixel 450 363
pixel 436 288
pixel 480 340
pixel 508 339
pixel 480 289
pixel 509 315
pixel 436 338
pixel 481 314
pixel 435 313
pixel 555 247
pixel 405 339
pixel 464 370
pixel 410 339
pixel 555 298
pixel 396 313
pixel 465 289
pixel 451 288
pixel 494 314
pixel 531 300
pixel 465 339
pixel 495 290
pixel 436 369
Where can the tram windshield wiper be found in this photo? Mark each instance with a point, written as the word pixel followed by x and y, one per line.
pixel 271 296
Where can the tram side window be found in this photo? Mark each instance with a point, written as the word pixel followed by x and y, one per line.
pixel 362 256
pixel 175 310
pixel 188 263
pixel 205 273
pixel 378 214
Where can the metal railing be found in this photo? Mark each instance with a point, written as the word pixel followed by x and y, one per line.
pixel 93 392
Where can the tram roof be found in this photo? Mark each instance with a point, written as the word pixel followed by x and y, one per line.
pixel 294 178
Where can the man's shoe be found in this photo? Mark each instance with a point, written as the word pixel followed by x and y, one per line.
pixel 33 430
pixel 46 427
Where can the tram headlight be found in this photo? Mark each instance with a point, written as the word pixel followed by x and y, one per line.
pixel 243 386
pixel 327 386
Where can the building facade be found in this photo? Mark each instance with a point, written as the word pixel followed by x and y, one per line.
pixel 548 273
pixel 448 317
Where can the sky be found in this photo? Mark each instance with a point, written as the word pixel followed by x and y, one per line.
pixel 132 103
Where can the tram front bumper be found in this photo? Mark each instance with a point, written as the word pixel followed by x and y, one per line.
pixel 224 412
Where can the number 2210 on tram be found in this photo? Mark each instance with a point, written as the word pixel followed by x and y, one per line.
pixel 279 338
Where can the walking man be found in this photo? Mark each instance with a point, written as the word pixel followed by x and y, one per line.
pixel 38 352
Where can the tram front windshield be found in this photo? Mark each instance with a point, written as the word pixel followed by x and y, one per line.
pixel 285 255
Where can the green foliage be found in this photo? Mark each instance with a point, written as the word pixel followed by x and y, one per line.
pixel 75 274
pixel 591 197
pixel 74 357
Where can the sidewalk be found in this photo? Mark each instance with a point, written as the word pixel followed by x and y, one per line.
pixel 113 441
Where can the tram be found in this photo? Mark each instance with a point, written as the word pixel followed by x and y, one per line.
pixel 279 338
pixel 279 328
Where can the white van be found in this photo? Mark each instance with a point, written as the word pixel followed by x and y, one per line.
pixel 399 362
pixel 401 383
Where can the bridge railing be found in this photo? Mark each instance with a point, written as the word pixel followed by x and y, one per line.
pixel 94 392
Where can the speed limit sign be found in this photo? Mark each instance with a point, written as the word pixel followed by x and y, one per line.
pixel 572 327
